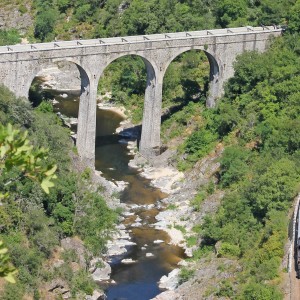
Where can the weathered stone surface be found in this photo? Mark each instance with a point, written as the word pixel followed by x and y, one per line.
pixel 169 282
pixel 118 247
pixel 57 263
pixel 62 77
pixel 76 245
pixel 168 295
pixel 59 287
pixel 102 274
pixel 20 64
pixel 13 18
pixel 97 295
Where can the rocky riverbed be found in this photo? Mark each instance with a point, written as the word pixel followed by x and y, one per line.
pixel 176 214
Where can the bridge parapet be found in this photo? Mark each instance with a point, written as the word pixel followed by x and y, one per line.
pixel 143 39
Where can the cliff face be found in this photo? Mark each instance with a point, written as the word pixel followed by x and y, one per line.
pixel 18 16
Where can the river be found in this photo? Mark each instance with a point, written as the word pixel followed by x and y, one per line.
pixel 135 281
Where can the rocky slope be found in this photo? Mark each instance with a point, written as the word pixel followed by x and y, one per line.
pixel 180 219
pixel 16 14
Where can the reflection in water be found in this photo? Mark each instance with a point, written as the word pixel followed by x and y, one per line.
pixel 136 281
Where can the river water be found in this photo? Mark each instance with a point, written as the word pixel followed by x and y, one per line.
pixel 135 281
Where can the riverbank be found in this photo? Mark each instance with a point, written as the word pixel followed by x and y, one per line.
pixel 177 213
pixel 174 214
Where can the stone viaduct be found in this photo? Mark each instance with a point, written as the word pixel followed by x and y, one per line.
pixel 19 64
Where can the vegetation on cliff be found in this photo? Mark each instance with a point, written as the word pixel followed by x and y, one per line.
pixel 257 120
pixel 99 18
pixel 32 222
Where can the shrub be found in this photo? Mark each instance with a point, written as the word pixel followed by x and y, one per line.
pixel 185 274
pixel 229 250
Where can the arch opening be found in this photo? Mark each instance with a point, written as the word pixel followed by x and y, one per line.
pixel 66 86
pixel 61 84
pixel 186 88
pixel 123 82
pixel 127 82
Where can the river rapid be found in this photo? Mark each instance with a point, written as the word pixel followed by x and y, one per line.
pixel 152 254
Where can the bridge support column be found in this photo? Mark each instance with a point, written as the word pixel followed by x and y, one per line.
pixel 215 86
pixel 150 137
pixel 86 131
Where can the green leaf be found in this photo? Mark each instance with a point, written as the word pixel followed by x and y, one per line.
pixel 51 171
pixel 10 278
pixel 46 184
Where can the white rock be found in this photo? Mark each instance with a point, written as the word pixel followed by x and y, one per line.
pixel 127 213
pixel 148 254
pixel 158 241
pixel 54 101
pixel 134 206
pixel 149 206
pixel 102 273
pixel 136 224
pixel 170 282
pixel 189 252
pixel 183 263
pixel 128 261
pixel 121 226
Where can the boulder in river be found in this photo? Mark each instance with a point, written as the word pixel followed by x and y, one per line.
pixel 128 261
pixel 158 241
pixel 148 254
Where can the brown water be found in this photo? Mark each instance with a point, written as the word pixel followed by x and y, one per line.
pixel 137 281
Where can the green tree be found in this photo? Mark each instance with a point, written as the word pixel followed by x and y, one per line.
pixel 229 12
pixel 9 37
pixel 16 152
pixel 44 23
pixel 294 18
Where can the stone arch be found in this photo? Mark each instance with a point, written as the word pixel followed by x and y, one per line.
pixel 215 88
pixel 84 73
pixel 150 65
pixel 85 112
pixel 150 133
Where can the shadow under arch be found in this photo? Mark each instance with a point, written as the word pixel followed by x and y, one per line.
pixel 149 94
pixel 214 73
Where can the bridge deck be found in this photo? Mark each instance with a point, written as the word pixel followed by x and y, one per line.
pixel 135 39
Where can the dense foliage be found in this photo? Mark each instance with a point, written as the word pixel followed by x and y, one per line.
pixel 100 18
pixel 9 37
pixel 32 222
pixel 258 118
